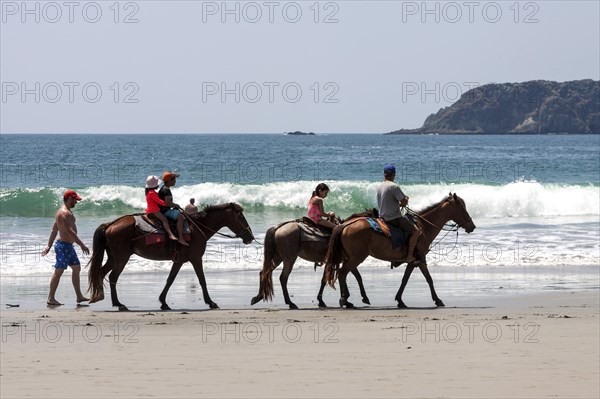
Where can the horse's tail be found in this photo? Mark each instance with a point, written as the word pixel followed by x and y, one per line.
pixel 334 256
pixel 265 291
pixel 95 275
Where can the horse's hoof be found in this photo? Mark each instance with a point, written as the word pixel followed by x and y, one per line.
pixel 348 305
pixel 164 306
pixel 254 301
pixel 123 308
pixel 401 305
pixel 366 300
pixel 213 306
pixel 292 306
pixel 439 303
pixel 320 301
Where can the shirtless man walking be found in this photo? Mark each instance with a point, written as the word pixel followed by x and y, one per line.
pixel 64 226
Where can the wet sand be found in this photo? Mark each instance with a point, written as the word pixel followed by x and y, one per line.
pixel 494 344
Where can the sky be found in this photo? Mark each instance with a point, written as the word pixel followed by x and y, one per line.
pixel 155 66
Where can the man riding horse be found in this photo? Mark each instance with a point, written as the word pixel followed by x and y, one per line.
pixel 391 200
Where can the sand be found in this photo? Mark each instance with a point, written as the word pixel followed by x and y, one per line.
pixel 541 345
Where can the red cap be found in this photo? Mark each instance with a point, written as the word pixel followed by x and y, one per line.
pixel 71 194
pixel 169 175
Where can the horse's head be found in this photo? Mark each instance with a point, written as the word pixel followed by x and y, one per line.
pixel 460 216
pixel 240 226
pixel 230 215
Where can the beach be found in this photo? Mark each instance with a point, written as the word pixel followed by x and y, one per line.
pixel 521 292
pixel 525 345
pixel 488 115
pixel 501 334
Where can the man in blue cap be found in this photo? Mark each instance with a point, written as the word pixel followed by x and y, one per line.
pixel 390 200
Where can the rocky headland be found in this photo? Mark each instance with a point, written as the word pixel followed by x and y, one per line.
pixel 535 107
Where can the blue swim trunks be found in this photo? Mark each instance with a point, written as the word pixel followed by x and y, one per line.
pixel 65 255
pixel 172 214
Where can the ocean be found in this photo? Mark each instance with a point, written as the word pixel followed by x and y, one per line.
pixel 535 199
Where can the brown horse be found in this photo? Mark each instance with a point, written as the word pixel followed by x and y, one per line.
pixel 283 244
pixel 121 239
pixel 352 242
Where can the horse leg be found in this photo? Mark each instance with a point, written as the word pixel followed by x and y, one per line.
pixel 407 273
pixel 288 265
pixel 363 293
pixel 348 266
pixel 344 292
pixel 320 294
pixel 425 271
pixel 112 278
pixel 197 264
pixel 108 266
pixel 163 295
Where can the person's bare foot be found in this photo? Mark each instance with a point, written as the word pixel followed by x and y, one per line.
pixel 410 259
pixel 172 237
pixel 83 299
pixel 53 303
pixel 183 242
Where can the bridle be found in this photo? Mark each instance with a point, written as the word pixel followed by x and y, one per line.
pixel 245 228
pixel 448 227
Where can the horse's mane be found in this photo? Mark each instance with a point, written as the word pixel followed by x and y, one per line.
pixel 353 216
pixel 360 214
pixel 222 207
pixel 431 207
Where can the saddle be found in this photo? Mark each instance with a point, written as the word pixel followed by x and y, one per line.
pixel 153 230
pixel 311 231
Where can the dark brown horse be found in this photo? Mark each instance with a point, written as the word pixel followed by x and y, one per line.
pixel 120 239
pixel 283 244
pixel 352 242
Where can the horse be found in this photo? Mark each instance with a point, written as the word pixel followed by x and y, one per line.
pixel 353 241
pixel 283 244
pixel 121 239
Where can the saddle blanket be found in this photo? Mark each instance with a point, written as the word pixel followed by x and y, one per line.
pixel 381 227
pixel 155 234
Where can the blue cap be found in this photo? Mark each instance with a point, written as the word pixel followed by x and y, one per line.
pixel 389 168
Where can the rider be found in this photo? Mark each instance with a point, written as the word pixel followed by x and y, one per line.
pixel 171 210
pixel 390 199
pixel 154 203
pixel 315 207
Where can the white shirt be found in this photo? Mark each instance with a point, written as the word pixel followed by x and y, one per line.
pixel 389 196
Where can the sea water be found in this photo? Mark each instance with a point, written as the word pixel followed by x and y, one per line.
pixel 535 199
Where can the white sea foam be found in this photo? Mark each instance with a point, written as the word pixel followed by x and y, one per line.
pixel 518 199
pixel 521 224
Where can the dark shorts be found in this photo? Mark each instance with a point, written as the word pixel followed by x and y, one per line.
pixel 65 255
pixel 404 223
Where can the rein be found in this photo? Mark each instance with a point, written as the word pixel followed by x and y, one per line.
pixel 448 227
pixel 198 224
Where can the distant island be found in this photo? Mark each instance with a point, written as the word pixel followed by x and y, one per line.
pixel 298 133
pixel 535 107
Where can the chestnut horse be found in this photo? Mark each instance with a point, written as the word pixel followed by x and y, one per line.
pixel 121 239
pixel 352 242
pixel 283 244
